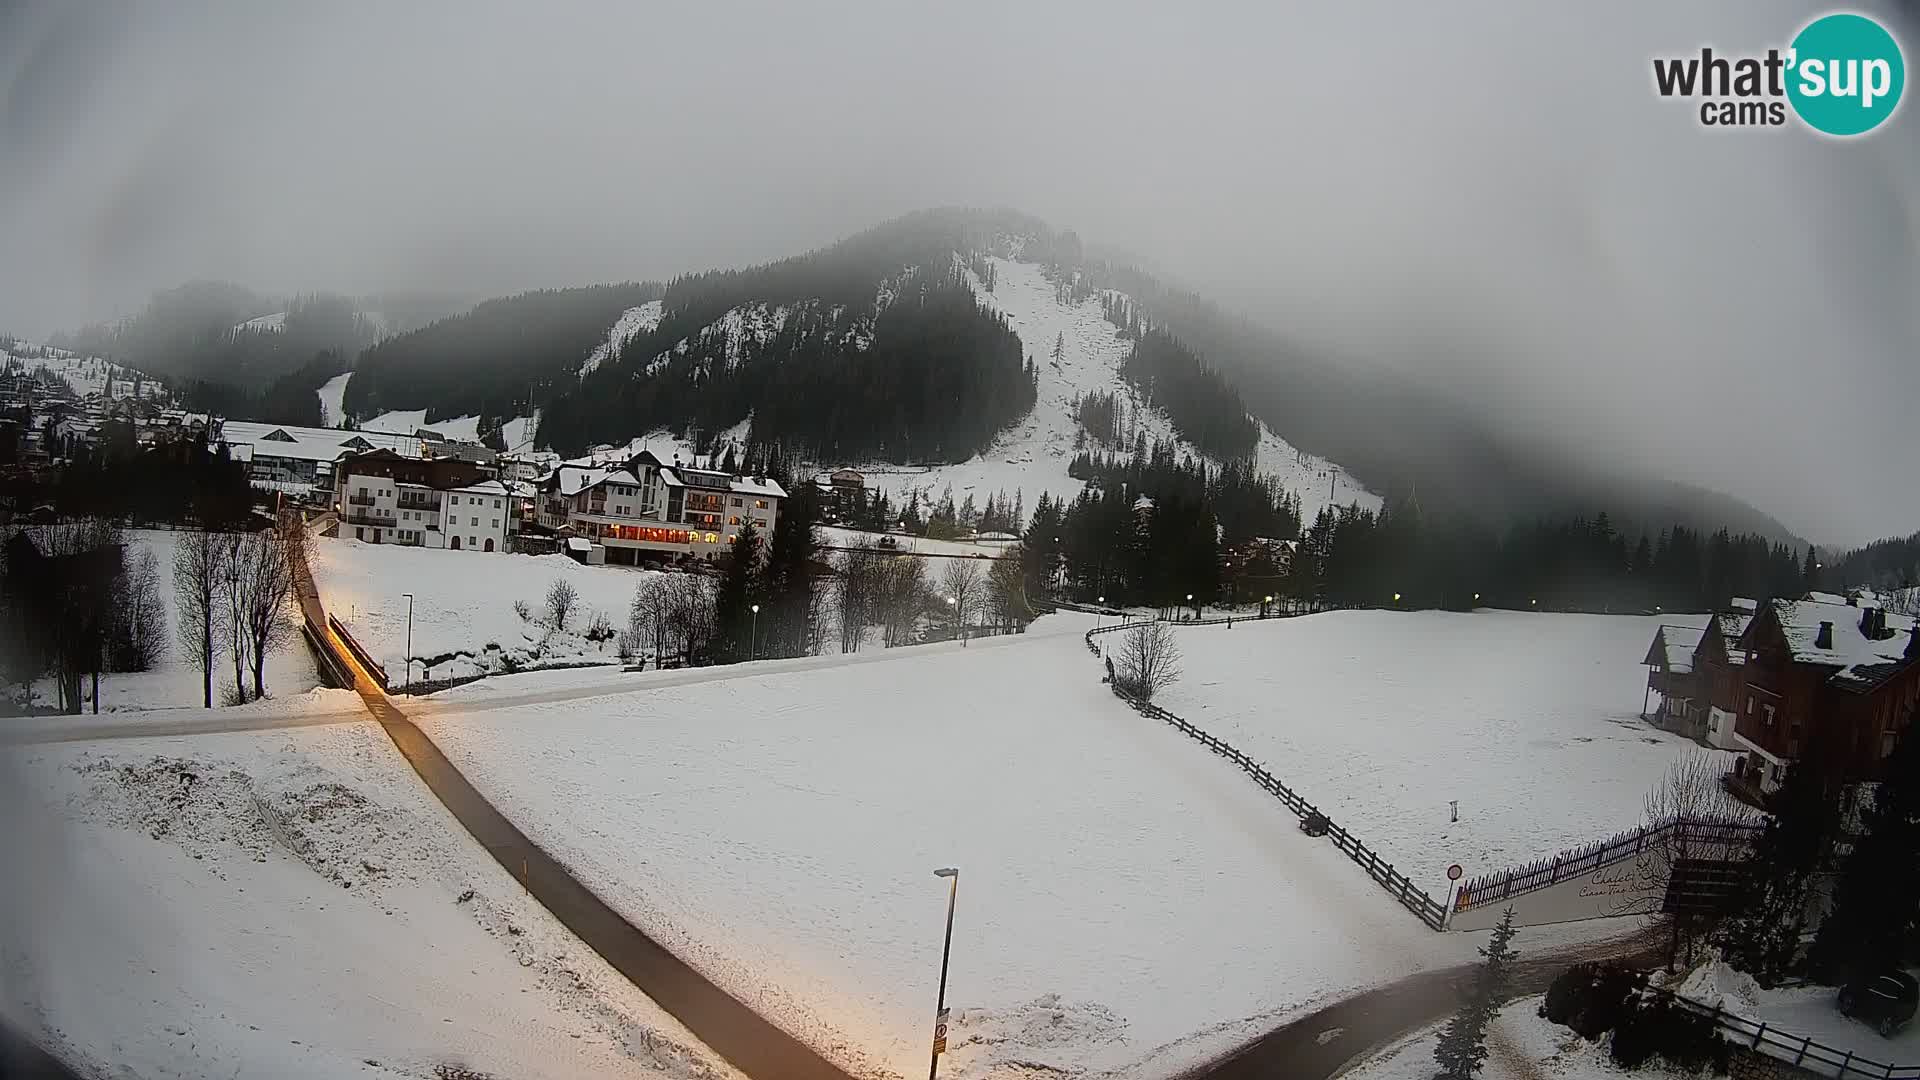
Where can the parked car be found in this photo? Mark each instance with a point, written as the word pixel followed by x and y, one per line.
pixel 1886 1000
pixel 1314 824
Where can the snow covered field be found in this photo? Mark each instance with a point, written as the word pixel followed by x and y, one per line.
pixel 1126 902
pixel 1033 456
pixel 1530 721
pixel 463 603
pixel 175 682
pixel 291 905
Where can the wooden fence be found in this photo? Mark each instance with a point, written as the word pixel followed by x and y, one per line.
pixel 1424 907
pixel 1800 1051
pixel 1541 873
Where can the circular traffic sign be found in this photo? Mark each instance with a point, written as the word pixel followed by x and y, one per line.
pixel 1454 872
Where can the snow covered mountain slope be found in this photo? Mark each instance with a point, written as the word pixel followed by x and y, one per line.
pixel 635 320
pixel 331 393
pixel 1033 456
pixel 86 374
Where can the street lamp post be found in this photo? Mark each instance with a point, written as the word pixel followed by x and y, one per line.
pixel 1101 615
pixel 753 638
pixel 1196 611
pixel 409 679
pixel 952 874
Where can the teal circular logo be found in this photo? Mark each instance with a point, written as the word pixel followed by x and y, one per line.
pixel 1846 74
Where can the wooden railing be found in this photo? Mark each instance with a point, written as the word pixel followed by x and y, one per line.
pixel 1398 885
pixel 1800 1051
pixel 1575 862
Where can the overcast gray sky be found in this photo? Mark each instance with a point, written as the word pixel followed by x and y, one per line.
pixel 1491 193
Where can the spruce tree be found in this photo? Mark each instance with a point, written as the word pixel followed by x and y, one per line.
pixel 1463 1046
pixel 1763 936
pixel 733 618
pixel 1874 902
pixel 787 623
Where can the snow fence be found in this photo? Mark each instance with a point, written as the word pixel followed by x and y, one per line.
pixel 1424 907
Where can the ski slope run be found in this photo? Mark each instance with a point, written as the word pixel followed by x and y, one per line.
pixel 1033 456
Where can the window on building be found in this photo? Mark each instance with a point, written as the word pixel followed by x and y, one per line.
pixel 363 490
pixel 759 504
pixel 472 540
pixel 496 504
pixel 1749 704
pixel 496 523
pixel 736 500
pixel 454 500
pixel 735 519
pixel 1769 710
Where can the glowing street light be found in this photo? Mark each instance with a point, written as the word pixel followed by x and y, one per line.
pixel 952 874
pixel 1396 598
pixel 753 641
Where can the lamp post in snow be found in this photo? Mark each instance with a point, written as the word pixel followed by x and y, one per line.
pixel 1101 615
pixel 753 638
pixel 952 874
pixel 409 679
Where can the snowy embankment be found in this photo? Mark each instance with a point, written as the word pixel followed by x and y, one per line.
pixel 175 682
pixel 464 622
pixel 1530 721
pixel 291 905
pixel 1521 1045
pixel 1032 457
pixel 333 394
pixel 1126 902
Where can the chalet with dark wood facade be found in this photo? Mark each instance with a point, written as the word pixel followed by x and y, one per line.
pixel 1699 675
pixel 1825 667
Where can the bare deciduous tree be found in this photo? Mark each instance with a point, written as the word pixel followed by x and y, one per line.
pixel 901 599
pixel 853 596
pixel 1149 659
pixel 262 578
pixel 1687 813
pixel 562 598
pixel 141 634
pixel 197 573
pixel 1007 592
pixel 961 583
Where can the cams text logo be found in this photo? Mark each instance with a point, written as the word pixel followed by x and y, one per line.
pixel 1842 75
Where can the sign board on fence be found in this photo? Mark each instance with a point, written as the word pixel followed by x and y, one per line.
pixel 1454 872
pixel 940 1033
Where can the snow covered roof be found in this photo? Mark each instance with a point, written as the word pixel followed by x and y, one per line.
pixel 1863 662
pixel 1742 603
pixel 579 543
pixel 758 485
pixel 311 444
pixel 484 487
pixel 1673 647
pixel 1826 598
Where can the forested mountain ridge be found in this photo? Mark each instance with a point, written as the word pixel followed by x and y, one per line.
pixel 874 347
pixel 493 361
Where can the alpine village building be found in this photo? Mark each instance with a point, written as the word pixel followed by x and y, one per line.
pixel 1836 668
pixel 645 510
pixel 384 497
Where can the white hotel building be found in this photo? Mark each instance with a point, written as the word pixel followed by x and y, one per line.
pixel 646 511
